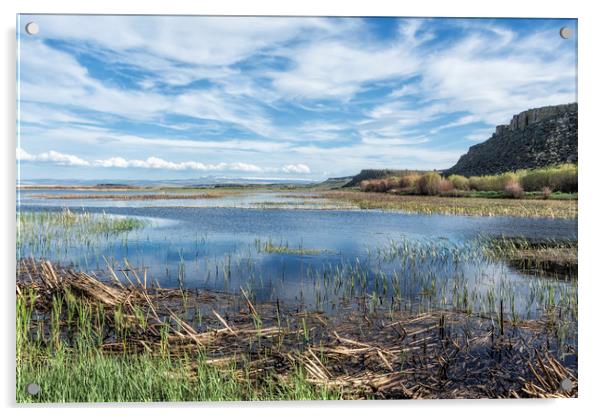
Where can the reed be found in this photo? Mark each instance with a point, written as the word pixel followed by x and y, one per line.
pixel 376 353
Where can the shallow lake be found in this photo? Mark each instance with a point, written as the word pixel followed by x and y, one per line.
pixel 313 257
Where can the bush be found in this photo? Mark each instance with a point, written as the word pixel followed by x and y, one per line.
pixel 459 182
pixel 561 178
pixel 429 184
pixel 392 183
pixel 445 186
pixel 381 185
pixel 513 190
pixel 492 182
pixel 375 185
pixel 408 181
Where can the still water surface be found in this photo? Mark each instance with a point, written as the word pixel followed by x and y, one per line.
pixel 220 244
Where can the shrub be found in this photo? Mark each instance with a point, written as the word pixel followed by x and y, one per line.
pixel 492 182
pixel 365 186
pixel 445 185
pixel 513 190
pixel 459 182
pixel 561 178
pixel 391 183
pixel 429 184
pixel 408 181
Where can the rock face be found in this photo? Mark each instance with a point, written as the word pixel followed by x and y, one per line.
pixel 534 138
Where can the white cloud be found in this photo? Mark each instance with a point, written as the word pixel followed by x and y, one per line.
pixel 154 162
pixel 55 78
pixel 263 76
pixel 337 69
pixel 58 158
pixel 495 74
pixel 195 40
pixel 298 168
pixel 158 163
pixel 23 155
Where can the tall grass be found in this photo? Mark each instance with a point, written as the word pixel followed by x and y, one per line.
pixel 71 366
pixel 67 220
pixel 44 232
pixel 97 377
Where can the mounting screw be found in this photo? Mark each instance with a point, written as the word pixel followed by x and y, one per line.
pixel 565 32
pixel 33 388
pixel 32 28
pixel 566 385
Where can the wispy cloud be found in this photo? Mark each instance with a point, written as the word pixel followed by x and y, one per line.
pixel 193 94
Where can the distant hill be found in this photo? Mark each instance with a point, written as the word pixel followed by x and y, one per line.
pixel 367 174
pixel 534 138
pixel 333 183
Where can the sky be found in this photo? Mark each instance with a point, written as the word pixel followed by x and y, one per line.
pixel 174 97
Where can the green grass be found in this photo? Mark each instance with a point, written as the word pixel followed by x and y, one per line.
pixel 96 377
pixel 69 365
pixel 284 248
pixel 69 221
pixel 45 232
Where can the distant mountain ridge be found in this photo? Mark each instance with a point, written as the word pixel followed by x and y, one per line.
pixel 534 138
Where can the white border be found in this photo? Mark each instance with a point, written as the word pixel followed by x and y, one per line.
pixel 590 135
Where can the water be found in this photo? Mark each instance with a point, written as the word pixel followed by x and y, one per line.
pixel 424 261
pixel 243 199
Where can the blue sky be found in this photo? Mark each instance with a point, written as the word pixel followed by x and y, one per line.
pixel 139 97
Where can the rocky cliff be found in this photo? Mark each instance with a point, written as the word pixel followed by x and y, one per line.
pixel 534 138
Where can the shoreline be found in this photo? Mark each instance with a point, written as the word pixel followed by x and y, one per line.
pixel 350 200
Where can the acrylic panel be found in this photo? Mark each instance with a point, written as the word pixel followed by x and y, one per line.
pixel 295 208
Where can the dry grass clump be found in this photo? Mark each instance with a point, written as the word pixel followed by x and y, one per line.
pixel 457 206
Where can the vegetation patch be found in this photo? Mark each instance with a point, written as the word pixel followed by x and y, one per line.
pixel 284 248
pixel 48 231
pixel 540 183
pixel 499 206
pixel 548 257
pixel 129 197
pixel 79 338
